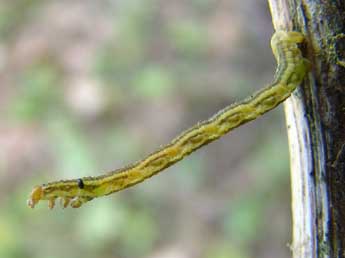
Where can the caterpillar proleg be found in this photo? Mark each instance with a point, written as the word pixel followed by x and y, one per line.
pixel 291 70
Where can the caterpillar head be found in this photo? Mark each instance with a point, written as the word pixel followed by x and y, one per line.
pixel 70 192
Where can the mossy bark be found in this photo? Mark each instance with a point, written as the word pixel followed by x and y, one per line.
pixel 316 127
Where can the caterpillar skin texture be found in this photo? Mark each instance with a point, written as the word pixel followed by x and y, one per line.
pixel 291 70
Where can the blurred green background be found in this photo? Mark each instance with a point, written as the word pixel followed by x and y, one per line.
pixel 88 86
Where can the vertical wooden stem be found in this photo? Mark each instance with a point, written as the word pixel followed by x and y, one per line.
pixel 315 117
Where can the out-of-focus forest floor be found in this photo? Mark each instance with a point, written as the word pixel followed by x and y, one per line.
pixel 88 86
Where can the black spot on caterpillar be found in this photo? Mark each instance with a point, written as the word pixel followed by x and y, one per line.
pixel 80 183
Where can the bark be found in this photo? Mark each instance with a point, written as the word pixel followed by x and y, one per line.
pixel 315 117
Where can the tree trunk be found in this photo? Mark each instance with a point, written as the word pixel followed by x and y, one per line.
pixel 315 116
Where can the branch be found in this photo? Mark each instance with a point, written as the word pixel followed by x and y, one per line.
pixel 316 136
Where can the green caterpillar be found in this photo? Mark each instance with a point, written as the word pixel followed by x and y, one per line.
pixel 291 70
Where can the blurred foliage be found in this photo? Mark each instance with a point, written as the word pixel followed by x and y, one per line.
pixel 188 37
pixel 38 93
pixel 153 82
pixel 14 13
pixel 148 70
pixel 227 251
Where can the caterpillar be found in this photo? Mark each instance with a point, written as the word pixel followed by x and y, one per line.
pixel 292 67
